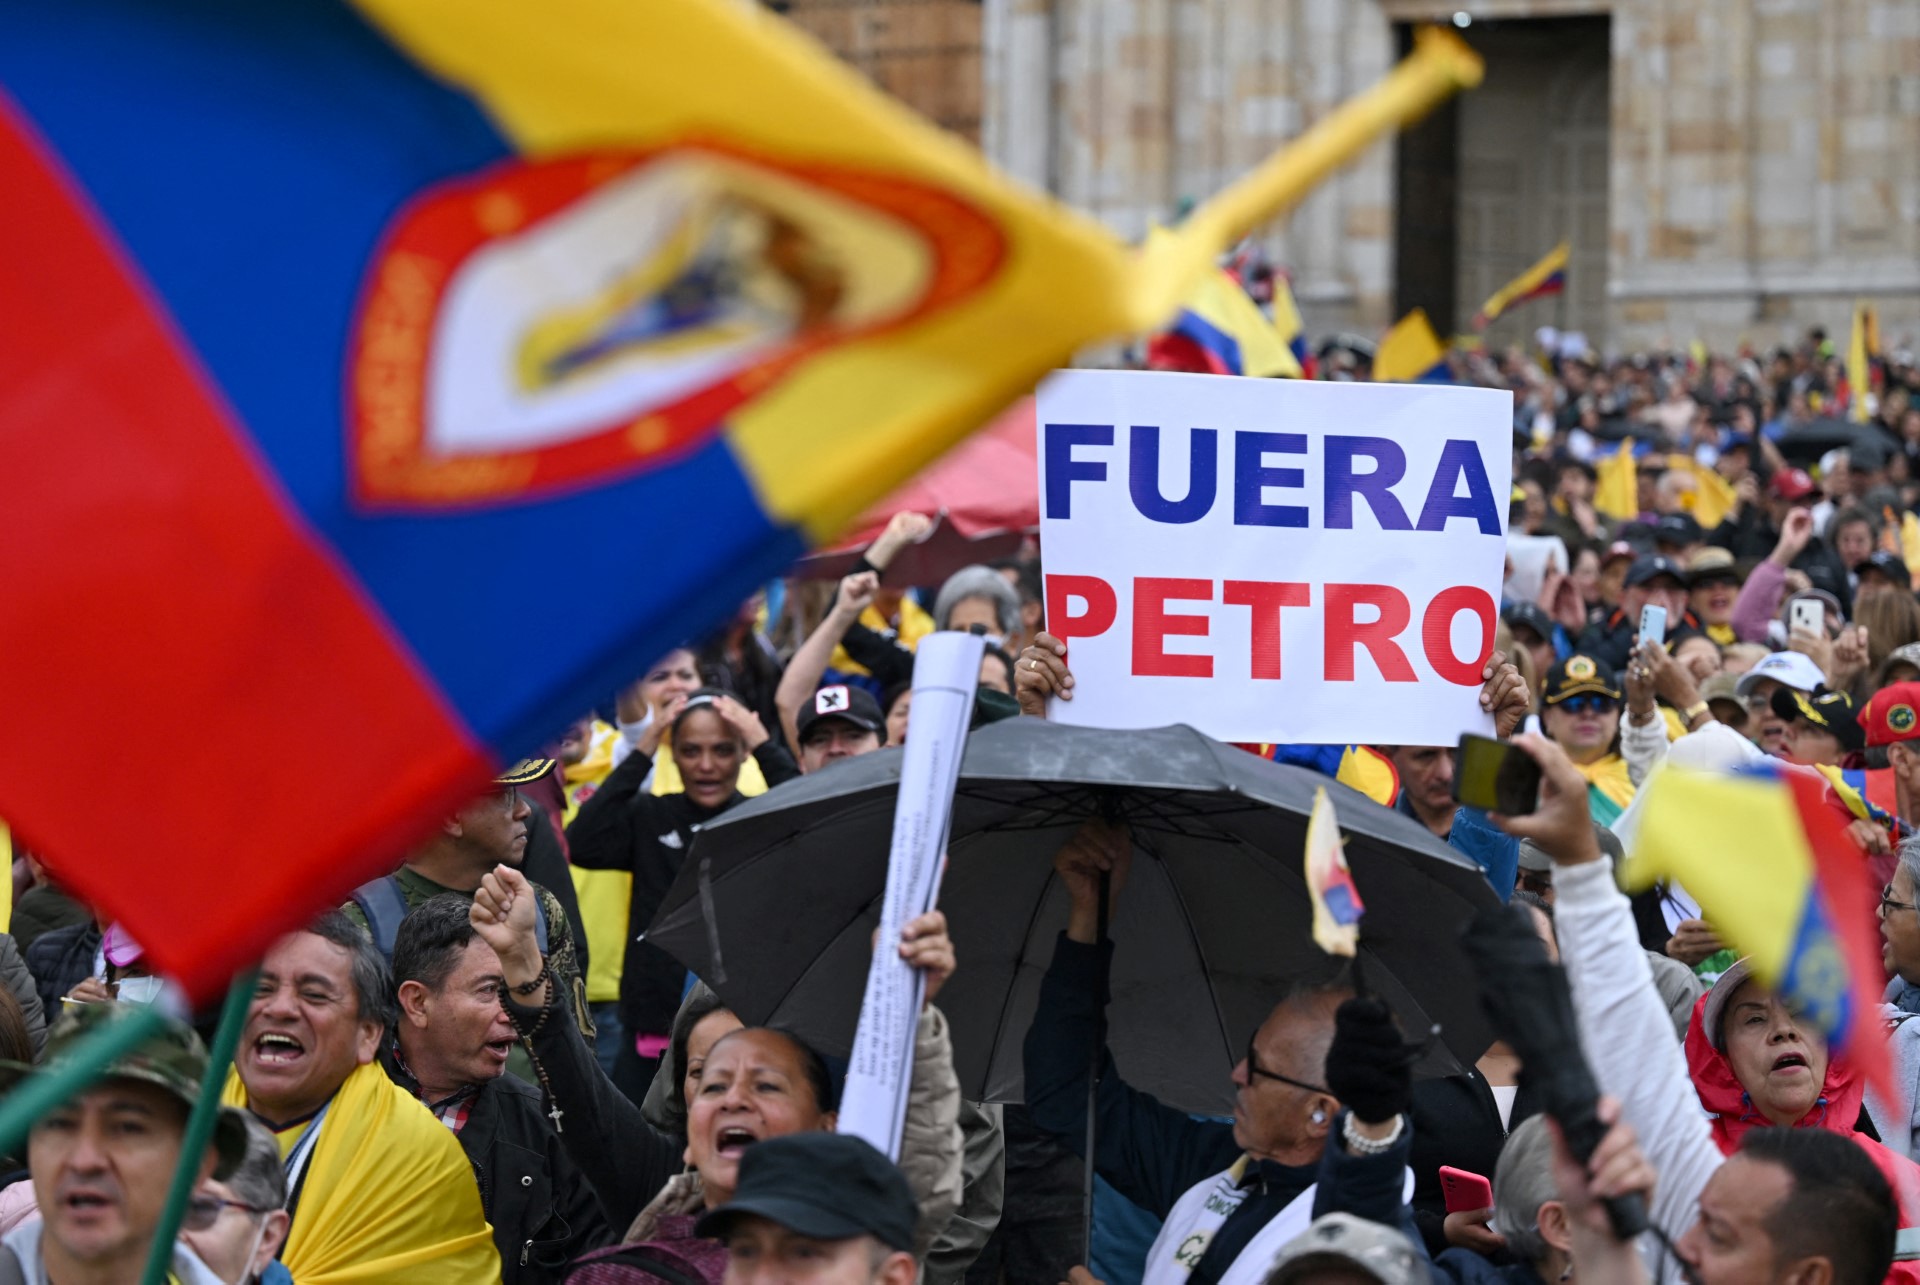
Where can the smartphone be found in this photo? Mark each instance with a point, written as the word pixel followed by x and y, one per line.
pixel 1653 625
pixel 1465 1192
pixel 1807 615
pixel 1496 777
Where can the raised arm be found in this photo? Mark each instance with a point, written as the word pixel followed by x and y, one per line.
pixel 809 663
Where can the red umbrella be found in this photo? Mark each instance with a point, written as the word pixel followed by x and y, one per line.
pixel 984 497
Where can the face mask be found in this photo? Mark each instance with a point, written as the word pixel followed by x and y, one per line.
pixel 253 1247
pixel 140 990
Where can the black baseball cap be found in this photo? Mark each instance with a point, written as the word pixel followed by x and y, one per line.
pixel 1580 675
pixel 1677 529
pixel 847 703
pixel 826 1186
pixel 1830 711
pixel 1645 569
pixel 1529 615
pixel 1890 565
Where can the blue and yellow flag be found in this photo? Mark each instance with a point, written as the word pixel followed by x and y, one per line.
pixel 1797 903
pixel 1547 277
pixel 1222 331
pixel 1410 352
pixel 345 318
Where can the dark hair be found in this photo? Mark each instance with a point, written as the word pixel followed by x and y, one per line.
pixel 1840 1209
pixel 1847 517
pixel 16 1045
pixel 700 1005
pixel 702 698
pixel 826 1089
pixel 431 935
pixel 894 693
pixel 372 981
pixel 1527 898
pixel 1005 659
pixel 1026 577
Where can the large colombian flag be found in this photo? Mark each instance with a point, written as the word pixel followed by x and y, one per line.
pixel 380 382
pixel 1775 872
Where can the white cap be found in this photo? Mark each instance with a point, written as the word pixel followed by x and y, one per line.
pixel 1789 668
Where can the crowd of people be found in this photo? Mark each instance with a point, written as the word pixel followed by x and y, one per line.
pixel 478 1068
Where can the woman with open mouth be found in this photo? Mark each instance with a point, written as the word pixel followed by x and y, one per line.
pixel 753 1083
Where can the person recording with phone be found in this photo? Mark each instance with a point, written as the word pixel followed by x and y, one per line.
pixel 1651 581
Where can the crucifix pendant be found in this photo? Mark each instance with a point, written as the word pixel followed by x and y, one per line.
pixel 555 1115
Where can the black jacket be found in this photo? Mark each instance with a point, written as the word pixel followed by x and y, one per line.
pixel 1152 1153
pixel 1751 535
pixel 543 1211
pixel 625 1160
pixel 1456 1122
pixel 622 827
pixel 62 959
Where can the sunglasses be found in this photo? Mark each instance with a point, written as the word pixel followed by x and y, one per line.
pixel 1588 704
pixel 204 1211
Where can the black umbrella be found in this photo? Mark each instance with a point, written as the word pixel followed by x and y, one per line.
pixel 777 901
pixel 1811 440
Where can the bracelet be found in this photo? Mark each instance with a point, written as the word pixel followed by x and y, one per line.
pixel 1361 1146
pixel 539 979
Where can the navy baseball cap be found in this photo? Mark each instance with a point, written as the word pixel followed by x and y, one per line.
pixel 1645 569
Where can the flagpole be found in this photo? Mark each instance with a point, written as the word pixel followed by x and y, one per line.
pixel 38 1094
pixel 206 1109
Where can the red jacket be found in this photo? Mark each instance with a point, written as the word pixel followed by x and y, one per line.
pixel 1838 1109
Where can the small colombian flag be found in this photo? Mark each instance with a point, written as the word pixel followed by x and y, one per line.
pixel 1336 901
pixel 1796 901
pixel 1549 276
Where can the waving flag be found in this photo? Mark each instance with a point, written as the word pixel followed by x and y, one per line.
pixel 1797 902
pixel 1547 277
pixel 328 326
pixel 1219 330
pixel 1410 352
pixel 1336 901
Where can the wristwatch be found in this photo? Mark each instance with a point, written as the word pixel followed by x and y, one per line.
pixel 1693 712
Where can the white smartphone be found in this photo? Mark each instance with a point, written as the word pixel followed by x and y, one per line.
pixel 1807 615
pixel 1653 625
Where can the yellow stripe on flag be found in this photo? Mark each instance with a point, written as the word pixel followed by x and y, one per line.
pixel 1524 284
pixel 1409 350
pixel 570 76
pixel 1858 371
pixel 1690 821
pixel 1614 491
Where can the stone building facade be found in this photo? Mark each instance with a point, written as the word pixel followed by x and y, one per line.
pixel 1725 169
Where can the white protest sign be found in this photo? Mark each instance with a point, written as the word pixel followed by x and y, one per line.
pixel 946 667
pixel 1272 559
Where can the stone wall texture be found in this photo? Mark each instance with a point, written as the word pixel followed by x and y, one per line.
pixel 1762 157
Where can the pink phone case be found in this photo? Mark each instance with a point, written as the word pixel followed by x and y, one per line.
pixel 1465 1192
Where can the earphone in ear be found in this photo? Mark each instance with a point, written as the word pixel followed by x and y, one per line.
pixel 1319 1117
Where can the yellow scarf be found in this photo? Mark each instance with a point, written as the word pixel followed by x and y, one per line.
pixel 1608 778
pixel 388 1197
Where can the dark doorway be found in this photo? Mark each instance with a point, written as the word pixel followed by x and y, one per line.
pixel 1493 181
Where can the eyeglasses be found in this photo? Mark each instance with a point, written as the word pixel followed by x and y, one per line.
pixel 1589 704
pixel 510 798
pixel 1888 904
pixel 204 1211
pixel 1255 1069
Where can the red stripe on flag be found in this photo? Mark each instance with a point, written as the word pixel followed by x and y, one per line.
pixel 1851 904
pixel 208 731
